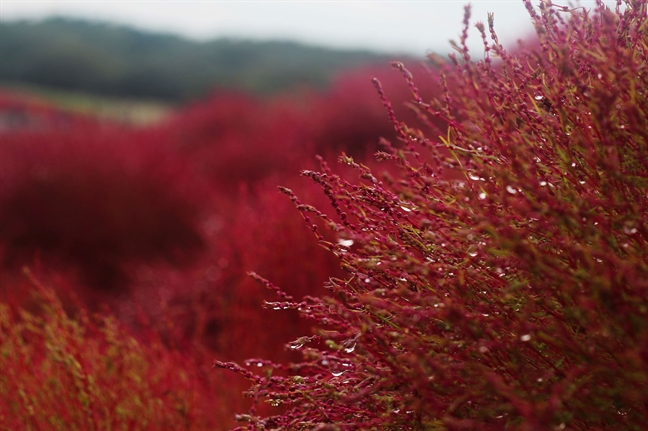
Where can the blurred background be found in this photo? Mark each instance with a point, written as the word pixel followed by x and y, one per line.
pixel 173 51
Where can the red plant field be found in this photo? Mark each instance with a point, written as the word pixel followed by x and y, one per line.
pixel 487 269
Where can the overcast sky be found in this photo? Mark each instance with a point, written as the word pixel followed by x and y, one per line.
pixel 415 27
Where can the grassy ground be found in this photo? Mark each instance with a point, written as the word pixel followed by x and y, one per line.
pixel 131 111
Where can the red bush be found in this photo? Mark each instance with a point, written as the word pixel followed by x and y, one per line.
pixel 513 297
pixel 94 197
pixel 233 138
pixel 90 373
pixel 350 118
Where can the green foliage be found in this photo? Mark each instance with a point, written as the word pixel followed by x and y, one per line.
pixel 119 61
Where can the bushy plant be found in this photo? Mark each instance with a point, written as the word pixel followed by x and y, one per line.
pixel 90 373
pixel 500 280
pixel 93 197
pixel 235 138
pixel 349 118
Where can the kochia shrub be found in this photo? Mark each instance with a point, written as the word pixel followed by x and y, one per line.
pixel 512 297
pixel 90 373
pixel 94 197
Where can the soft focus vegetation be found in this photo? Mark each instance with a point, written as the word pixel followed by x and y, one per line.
pixel 98 58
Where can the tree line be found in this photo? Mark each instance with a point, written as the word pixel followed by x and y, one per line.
pixel 115 60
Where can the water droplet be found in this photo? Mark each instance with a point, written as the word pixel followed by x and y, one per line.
pixel 599 76
pixel 474 177
pixel 525 337
pixel 345 242
pixel 482 196
pixel 406 209
pixel 337 368
pixel 483 349
pixel 539 379
pixel 538 97
pixel 472 253
pixel 276 305
pixel 511 190
pixel 543 183
pixel 350 349
pixel 629 229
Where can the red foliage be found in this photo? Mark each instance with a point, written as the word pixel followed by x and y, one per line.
pixel 350 117
pixel 232 138
pixel 94 197
pixel 166 222
pixel 90 373
pixel 513 297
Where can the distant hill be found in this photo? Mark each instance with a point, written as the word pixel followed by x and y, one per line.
pixel 115 60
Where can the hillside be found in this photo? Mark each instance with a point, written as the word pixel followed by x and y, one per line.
pixel 113 60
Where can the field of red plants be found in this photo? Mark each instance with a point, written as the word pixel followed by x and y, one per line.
pixel 478 261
